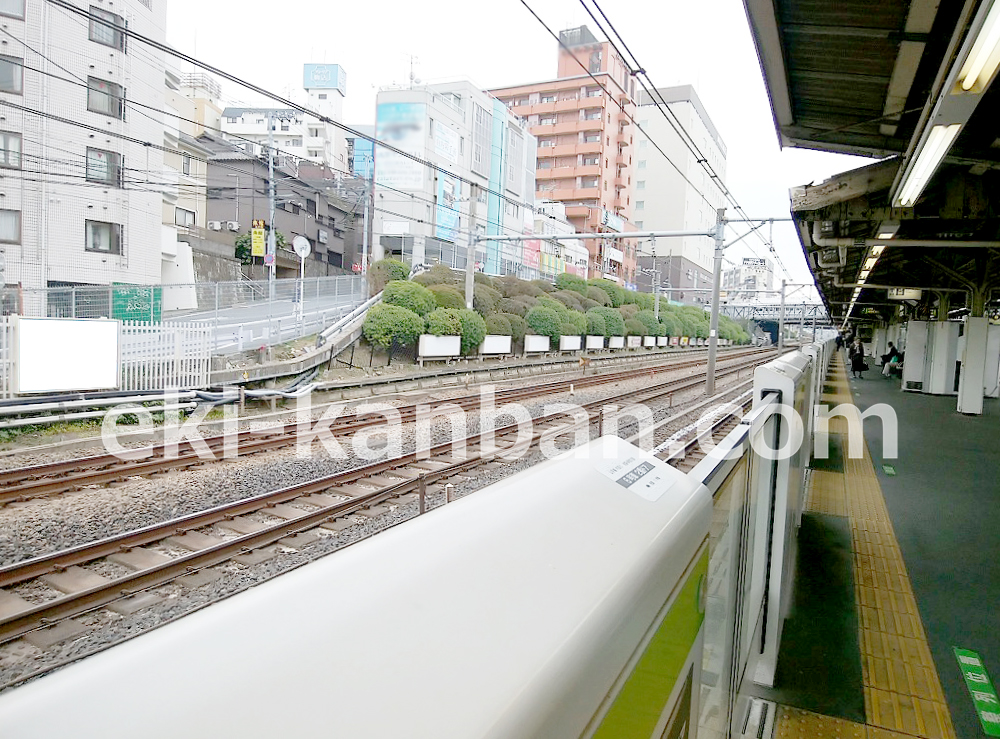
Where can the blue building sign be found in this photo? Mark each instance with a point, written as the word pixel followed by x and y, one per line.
pixel 324 77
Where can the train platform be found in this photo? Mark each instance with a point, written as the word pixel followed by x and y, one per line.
pixel 897 569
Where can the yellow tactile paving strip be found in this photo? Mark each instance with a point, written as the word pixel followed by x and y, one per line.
pixel 903 697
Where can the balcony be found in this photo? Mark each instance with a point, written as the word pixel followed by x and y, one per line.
pixel 563 106
pixel 621 160
pixel 576 193
pixel 591 124
pixel 621 183
pixel 623 140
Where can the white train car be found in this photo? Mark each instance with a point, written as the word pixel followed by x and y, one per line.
pixel 566 601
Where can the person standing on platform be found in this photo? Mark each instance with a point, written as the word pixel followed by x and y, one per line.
pixel 857 357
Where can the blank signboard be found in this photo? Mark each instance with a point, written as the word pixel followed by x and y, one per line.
pixel 60 354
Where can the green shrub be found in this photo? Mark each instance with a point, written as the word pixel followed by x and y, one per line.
pixel 628 310
pixel 440 274
pixel 647 319
pixel 547 301
pixel 384 271
pixel 498 325
pixel 587 304
pixel 598 295
pixel 566 281
pixel 672 325
pixel 485 299
pixel 634 327
pixel 615 294
pixel 544 321
pixel 568 298
pixel 645 301
pixel 385 324
pixel 444 322
pixel 577 320
pixel 518 326
pixel 545 287
pixel 509 305
pixel 512 287
pixel 596 325
pixel 473 330
pixel 447 296
pixel 409 295
pixel 613 321
pixel 482 279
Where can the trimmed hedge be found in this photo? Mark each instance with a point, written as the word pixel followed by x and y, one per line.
pixel 596 325
pixel 444 322
pixel 384 271
pixel 614 323
pixel 544 322
pixel 409 295
pixel 518 326
pixel 576 321
pixel 598 295
pixel 634 327
pixel 447 296
pixel 473 330
pixel 485 299
pixel 566 281
pixel 385 324
pixel 498 325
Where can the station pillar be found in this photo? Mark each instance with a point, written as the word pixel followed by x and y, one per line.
pixel 942 357
pixel 972 380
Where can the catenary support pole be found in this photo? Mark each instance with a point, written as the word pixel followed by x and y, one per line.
pixel 781 319
pixel 369 195
pixel 713 328
pixel 470 258
pixel 271 238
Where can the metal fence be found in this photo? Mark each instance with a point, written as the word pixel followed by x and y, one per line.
pixel 243 314
pixel 153 356
pixel 165 355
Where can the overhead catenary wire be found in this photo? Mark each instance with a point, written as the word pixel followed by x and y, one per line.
pixel 277 98
pixel 638 71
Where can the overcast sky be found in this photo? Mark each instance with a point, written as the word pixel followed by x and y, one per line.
pixel 706 44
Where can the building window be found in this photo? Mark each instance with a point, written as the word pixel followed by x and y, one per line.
pixel 104 237
pixel 284 125
pixel 589 182
pixel 296 142
pixel 548 98
pixel 11 74
pixel 104 167
pixel 545 164
pixel 10 150
pixel 105 98
pixel 232 120
pixel 314 153
pixel 641 164
pixel 642 143
pixel 322 96
pixel 10 227
pixel 640 204
pixel 102 28
pixel 640 184
pixel 186 164
pixel 13 8
pixel 430 127
pixel 314 133
pixel 184 217
pixel 638 224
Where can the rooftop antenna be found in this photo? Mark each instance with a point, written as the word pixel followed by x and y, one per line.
pixel 413 78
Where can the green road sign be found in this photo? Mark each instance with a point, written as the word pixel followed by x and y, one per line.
pixel 984 696
pixel 889 470
pixel 137 302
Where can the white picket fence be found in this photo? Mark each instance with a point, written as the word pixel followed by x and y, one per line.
pixel 154 356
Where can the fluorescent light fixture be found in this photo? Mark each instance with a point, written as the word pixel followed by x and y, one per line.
pixel 878 249
pixel 870 263
pixel 928 158
pixel 887 229
pixel 864 275
pixel 984 58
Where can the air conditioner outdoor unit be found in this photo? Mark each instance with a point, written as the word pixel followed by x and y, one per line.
pixel 215 225
pixel 233 225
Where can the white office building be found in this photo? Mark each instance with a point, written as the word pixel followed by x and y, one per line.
pixel 665 201
pixel 297 135
pixel 745 280
pixel 427 216
pixel 564 255
pixel 80 202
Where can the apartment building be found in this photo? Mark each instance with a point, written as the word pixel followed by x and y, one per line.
pixel 667 201
pixel 753 274
pixel 427 215
pixel 586 145
pixel 80 200
pixel 297 134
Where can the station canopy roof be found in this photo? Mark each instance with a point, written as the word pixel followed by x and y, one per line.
pixel 911 84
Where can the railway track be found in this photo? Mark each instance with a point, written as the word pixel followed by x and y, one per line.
pixel 334 504
pixel 54 478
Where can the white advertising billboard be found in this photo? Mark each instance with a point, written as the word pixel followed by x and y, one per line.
pixel 400 125
pixel 65 354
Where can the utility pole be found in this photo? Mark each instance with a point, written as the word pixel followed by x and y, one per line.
pixel 781 319
pixel 369 194
pixel 713 332
pixel 656 277
pixel 470 259
pixel 271 238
